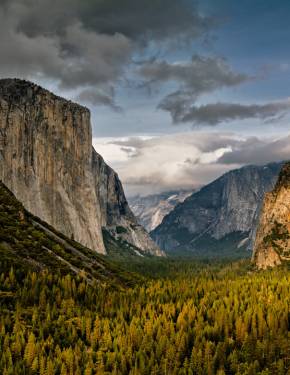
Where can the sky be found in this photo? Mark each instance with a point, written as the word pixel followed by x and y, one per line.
pixel 180 91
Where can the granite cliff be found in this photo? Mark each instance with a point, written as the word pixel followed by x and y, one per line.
pixel 272 244
pixel 48 162
pixel 221 218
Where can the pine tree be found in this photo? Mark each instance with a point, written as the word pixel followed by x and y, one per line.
pixel 30 350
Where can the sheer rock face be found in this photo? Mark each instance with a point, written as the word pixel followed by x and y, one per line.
pixel 272 244
pixel 116 214
pixel 228 206
pixel 47 161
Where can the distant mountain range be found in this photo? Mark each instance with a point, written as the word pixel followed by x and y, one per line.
pixel 151 209
pixel 221 218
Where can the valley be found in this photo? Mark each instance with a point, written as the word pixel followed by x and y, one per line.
pixel 84 288
pixel 144 187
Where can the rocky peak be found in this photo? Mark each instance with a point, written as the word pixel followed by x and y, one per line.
pixel 272 244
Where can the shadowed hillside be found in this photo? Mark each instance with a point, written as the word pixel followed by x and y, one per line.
pixel 28 243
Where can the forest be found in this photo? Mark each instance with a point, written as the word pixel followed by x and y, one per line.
pixel 180 317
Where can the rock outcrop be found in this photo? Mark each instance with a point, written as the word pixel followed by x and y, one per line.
pixel 47 161
pixel 116 215
pixel 151 209
pixel 272 244
pixel 221 217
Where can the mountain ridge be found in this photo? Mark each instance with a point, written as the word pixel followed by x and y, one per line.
pixel 226 209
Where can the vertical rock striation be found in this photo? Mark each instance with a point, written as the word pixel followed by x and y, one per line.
pixel 222 216
pixel 47 161
pixel 272 244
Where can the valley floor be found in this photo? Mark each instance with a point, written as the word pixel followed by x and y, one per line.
pixel 184 317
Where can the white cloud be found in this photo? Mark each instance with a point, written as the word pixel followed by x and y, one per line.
pixel 146 165
pixel 185 160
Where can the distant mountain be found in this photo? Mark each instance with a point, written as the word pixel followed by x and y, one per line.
pixel 28 243
pixel 151 209
pixel 272 244
pixel 48 162
pixel 222 217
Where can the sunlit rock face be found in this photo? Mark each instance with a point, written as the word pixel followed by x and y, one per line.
pixel 48 162
pixel 272 244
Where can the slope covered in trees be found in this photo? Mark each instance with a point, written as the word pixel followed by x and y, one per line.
pixel 200 320
pixel 65 310
pixel 27 243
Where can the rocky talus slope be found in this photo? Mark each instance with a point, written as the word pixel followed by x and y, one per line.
pixel 272 244
pixel 220 218
pixel 47 161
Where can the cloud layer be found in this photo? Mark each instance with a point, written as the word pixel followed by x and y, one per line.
pixel 197 77
pixel 88 47
pixel 157 19
pixel 214 114
pixel 74 57
pixel 88 44
pixel 148 165
pixel 201 76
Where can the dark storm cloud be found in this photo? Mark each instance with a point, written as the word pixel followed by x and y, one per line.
pixel 200 75
pixel 86 43
pixel 156 19
pixel 182 111
pixel 75 58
